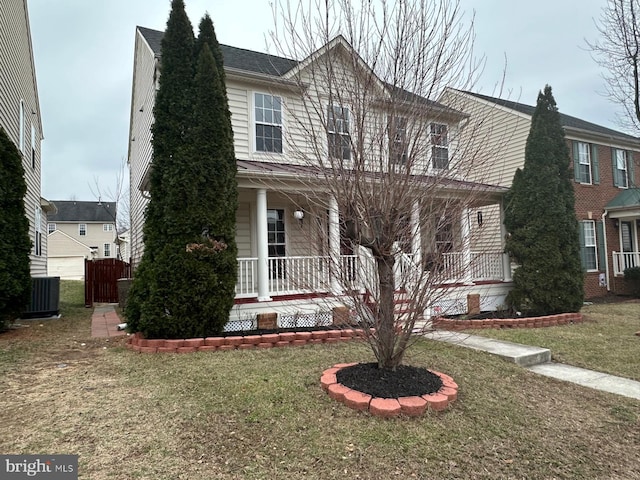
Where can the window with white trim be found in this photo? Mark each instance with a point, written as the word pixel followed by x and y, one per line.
pixel 584 162
pixel 268 119
pixel 338 136
pixel 107 227
pixel 107 249
pixel 33 146
pixel 620 172
pixel 589 247
pixel 398 140
pixel 439 146
pixel 82 229
pixel 21 126
pixel 51 227
pixel 37 244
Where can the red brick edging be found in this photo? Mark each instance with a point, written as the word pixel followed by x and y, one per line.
pixel 210 344
pixel 388 407
pixel 526 322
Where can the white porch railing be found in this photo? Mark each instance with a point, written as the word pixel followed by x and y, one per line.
pixel 624 260
pixel 294 275
pixel 482 266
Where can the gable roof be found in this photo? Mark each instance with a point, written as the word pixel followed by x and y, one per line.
pixel 75 211
pixel 263 63
pixel 234 57
pixel 566 121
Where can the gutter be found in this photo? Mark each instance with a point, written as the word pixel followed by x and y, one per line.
pixel 606 249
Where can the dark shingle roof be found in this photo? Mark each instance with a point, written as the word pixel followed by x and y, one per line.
pixel 74 211
pixel 234 57
pixel 565 120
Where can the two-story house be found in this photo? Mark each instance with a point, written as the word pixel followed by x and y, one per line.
pixel 607 201
pixel 79 231
pixel 20 118
pixel 288 222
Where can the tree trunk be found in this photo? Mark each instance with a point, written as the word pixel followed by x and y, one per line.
pixel 385 328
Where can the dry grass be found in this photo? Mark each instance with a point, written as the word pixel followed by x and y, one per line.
pixel 262 415
pixel 605 342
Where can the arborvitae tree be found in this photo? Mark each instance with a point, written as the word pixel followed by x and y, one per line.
pixel 15 245
pixel 173 114
pixel 540 218
pixel 189 285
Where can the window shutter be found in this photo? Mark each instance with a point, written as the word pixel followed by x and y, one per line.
pixel 583 258
pixel 600 242
pixel 595 165
pixel 576 162
pixel 616 179
pixel 630 167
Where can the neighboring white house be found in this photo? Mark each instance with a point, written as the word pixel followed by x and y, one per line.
pixel 79 231
pixel 274 222
pixel 607 197
pixel 21 120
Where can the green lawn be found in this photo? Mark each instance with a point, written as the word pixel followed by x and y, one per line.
pixel 262 415
pixel 605 342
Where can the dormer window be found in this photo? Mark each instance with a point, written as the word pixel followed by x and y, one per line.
pixel 439 146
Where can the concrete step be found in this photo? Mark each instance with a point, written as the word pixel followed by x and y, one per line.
pixel 523 355
pixel 589 378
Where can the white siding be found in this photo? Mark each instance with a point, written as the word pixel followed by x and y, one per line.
pixel 18 83
pixel 140 149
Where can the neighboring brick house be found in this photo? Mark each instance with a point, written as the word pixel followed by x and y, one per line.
pixel 20 118
pixel 607 201
pixel 79 231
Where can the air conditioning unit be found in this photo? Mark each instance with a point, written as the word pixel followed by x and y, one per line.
pixel 45 298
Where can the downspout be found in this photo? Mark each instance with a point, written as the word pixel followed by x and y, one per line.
pixel 606 250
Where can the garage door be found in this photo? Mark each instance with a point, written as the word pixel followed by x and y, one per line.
pixel 67 268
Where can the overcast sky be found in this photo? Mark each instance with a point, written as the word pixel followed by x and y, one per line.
pixel 84 63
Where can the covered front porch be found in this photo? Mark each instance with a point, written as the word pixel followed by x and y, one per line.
pixel 624 212
pixel 293 255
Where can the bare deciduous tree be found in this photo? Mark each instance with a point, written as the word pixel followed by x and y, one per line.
pixel 118 194
pixel 618 52
pixel 387 172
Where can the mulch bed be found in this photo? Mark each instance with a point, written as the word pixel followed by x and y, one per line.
pixel 405 381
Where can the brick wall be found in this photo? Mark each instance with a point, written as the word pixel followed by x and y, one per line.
pixel 590 204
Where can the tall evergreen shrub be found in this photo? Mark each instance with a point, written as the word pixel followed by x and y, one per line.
pixel 541 222
pixel 15 245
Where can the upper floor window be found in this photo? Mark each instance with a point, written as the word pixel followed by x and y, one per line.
pixel 107 249
pixel 107 227
pixel 21 126
pixel 82 229
pixel 33 146
pixel 51 227
pixel 338 137
pixel 398 140
pixel 584 162
pixel 620 162
pixel 440 146
pixel 268 118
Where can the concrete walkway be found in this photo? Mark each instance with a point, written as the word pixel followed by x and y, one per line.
pixel 104 321
pixel 538 360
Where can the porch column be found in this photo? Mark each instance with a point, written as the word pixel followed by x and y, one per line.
pixel 506 260
pixel 334 245
pixel 465 233
pixel 263 245
pixel 416 237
